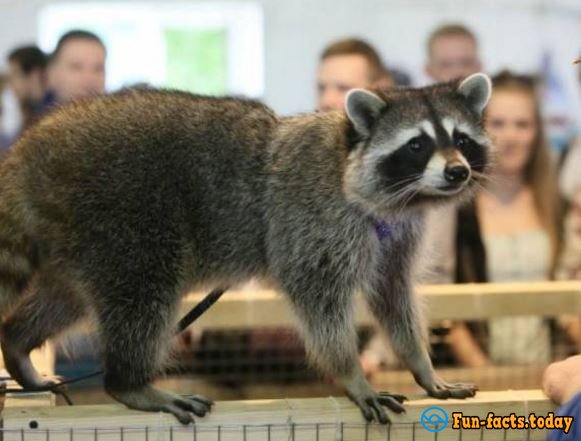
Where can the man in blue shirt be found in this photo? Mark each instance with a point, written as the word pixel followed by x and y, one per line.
pixel 562 384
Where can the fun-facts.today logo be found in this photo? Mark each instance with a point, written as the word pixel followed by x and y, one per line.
pixel 434 419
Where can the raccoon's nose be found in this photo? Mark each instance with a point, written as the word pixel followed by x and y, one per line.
pixel 456 174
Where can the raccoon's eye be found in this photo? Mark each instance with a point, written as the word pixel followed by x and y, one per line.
pixel 415 144
pixel 462 140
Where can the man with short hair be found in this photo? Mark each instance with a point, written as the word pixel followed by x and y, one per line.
pixel 77 66
pixel 344 65
pixel 452 54
pixel 348 64
pixel 452 51
pixel 27 79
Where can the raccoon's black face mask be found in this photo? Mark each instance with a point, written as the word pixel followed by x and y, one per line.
pixel 417 146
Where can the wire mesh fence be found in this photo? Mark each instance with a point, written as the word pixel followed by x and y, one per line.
pixel 271 363
pixel 413 431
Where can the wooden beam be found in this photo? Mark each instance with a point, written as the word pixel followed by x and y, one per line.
pixel 267 308
pixel 400 381
pixel 28 399
pixel 291 419
pixel 487 300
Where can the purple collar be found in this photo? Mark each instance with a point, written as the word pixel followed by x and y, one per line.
pixel 383 229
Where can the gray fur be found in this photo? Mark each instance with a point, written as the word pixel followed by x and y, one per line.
pixel 363 109
pixel 118 206
pixel 477 89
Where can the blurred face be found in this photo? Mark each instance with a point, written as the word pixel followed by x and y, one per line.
pixel 452 58
pixel 28 88
pixel 78 71
pixel 511 124
pixel 336 76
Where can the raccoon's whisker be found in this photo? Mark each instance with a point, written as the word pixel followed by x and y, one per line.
pixel 406 202
pixel 413 175
pixel 487 172
pixel 481 175
pixel 404 199
pixel 397 189
pixel 404 189
pixel 483 188
pixel 398 204
pixel 499 180
pixel 396 198
pixel 413 192
pixel 406 179
pixel 486 178
pixel 480 164
pixel 400 185
pixel 398 195
pixel 489 179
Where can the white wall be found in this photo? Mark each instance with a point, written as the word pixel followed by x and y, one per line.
pixel 512 34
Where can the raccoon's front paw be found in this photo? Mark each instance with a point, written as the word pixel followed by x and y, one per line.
pixel 372 405
pixel 182 407
pixel 150 399
pixel 441 389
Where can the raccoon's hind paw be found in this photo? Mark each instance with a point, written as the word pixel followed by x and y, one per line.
pixel 56 384
pixel 197 404
pixel 150 399
pixel 183 407
pixel 442 389
pixel 20 367
pixel 53 384
pixel 372 406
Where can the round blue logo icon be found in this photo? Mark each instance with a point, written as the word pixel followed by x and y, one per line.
pixel 434 419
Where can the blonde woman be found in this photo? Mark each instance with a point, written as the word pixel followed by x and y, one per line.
pixel 511 231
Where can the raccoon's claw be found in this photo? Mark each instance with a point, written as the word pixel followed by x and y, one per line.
pixel 55 384
pixel 184 407
pixel 182 415
pixel 52 384
pixel 150 399
pixel 197 404
pixel 200 398
pixel 372 407
pixel 441 389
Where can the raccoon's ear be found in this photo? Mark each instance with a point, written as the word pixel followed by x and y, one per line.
pixel 363 108
pixel 476 89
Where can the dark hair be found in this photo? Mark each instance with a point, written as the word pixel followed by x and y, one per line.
pixel 354 46
pixel 508 79
pixel 75 34
pixel 28 58
pixel 450 30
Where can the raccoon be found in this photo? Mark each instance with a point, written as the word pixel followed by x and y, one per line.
pixel 116 207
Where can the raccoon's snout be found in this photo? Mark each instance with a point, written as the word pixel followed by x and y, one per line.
pixel 456 173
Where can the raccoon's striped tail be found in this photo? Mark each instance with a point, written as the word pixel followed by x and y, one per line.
pixel 16 263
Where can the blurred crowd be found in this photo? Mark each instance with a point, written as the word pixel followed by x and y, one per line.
pixel 39 81
pixel 524 224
